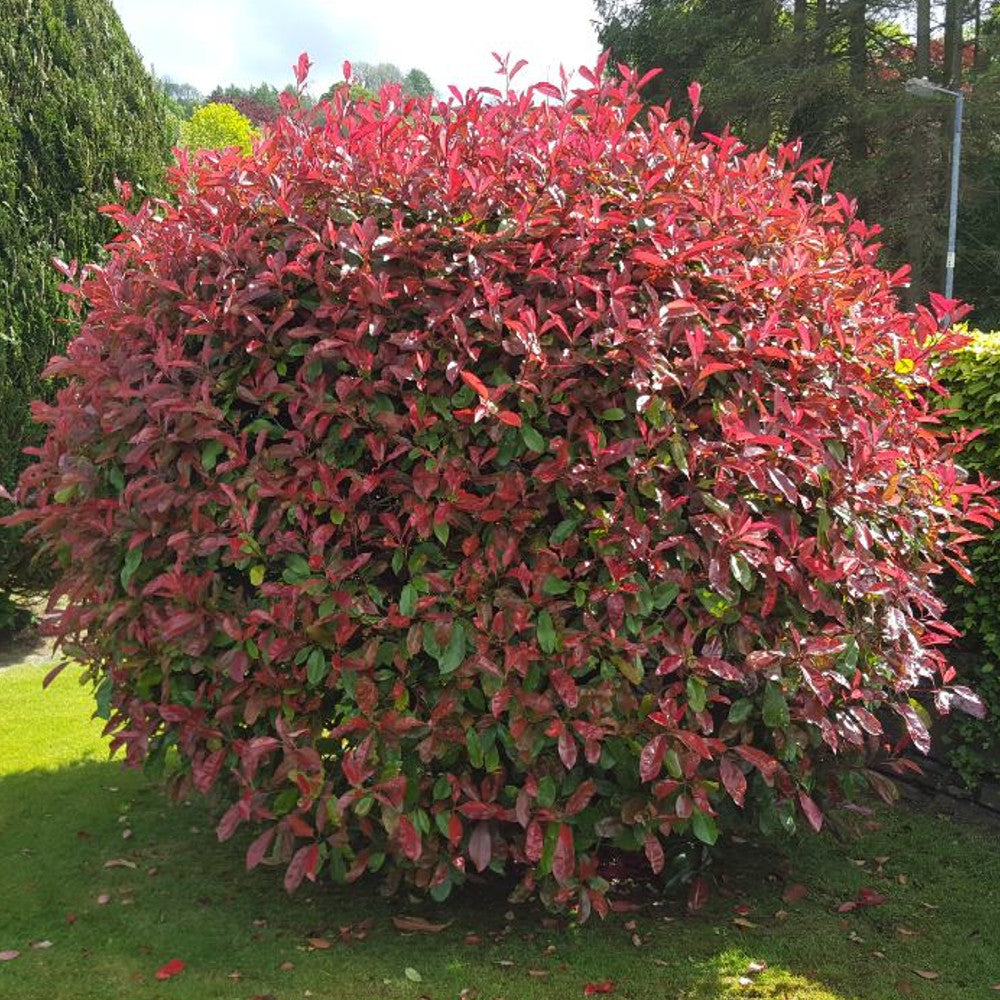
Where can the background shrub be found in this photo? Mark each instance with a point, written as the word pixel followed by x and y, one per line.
pixel 974 381
pixel 217 126
pixel 77 110
pixel 477 485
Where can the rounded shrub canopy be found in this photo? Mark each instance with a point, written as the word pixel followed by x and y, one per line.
pixel 478 484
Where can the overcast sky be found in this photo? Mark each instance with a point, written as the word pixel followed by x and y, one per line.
pixel 210 42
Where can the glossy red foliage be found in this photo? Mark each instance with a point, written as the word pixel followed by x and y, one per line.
pixel 474 483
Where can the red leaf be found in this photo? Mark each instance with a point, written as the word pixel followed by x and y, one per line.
pixel 409 839
pixel 173 968
pixel 510 418
pixel 654 852
pixel 734 780
pixel 694 94
pixel 698 894
pixel 869 897
pixel 651 758
pixel 580 798
pixel 794 893
pixel 915 727
pixel 474 382
pixel 564 858
pixel 592 989
pixel 302 69
pixel 455 830
pixel 303 861
pixel 534 841
pixel 764 763
pixel 260 846
pixel 568 750
pixel 481 846
pixel 812 811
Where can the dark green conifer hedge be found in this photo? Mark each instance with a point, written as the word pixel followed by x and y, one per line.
pixel 77 110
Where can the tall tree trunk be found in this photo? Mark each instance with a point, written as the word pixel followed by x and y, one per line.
pixel 857 55
pixel 799 14
pixel 923 38
pixel 916 228
pixel 953 44
pixel 822 31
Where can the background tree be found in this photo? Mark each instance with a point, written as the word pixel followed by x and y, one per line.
pixel 831 72
pixel 218 126
pixel 77 110
pixel 259 104
pixel 374 77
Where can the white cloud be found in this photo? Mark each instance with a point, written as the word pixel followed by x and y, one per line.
pixel 210 42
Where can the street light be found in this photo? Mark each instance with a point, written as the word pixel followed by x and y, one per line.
pixel 920 86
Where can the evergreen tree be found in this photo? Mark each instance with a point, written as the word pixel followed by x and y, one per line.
pixel 77 111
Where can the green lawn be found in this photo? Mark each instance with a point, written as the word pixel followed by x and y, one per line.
pixel 65 811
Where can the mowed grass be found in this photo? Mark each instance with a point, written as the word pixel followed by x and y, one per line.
pixel 65 812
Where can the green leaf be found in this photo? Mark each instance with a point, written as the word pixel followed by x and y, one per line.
pixel 103 695
pixel 546 791
pixel 546 633
pixel 475 747
pixel 553 586
pixel 740 711
pixel 442 531
pixel 408 600
pixel 704 827
pixel 257 575
pixel 413 975
pixel 715 604
pixel 562 531
pixel 533 439
pixel 317 666
pixel 741 570
pixel 210 452
pixel 697 694
pixel 775 706
pixel 679 454
pixel 632 669
pixel 453 655
pixel 263 424
pixel 296 569
pixel 612 414
pixel 133 559
pixel 430 643
pixel 664 594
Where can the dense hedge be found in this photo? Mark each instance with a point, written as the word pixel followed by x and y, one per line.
pixel 77 110
pixel 974 744
pixel 483 484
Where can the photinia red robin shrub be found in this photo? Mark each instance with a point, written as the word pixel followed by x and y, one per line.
pixel 477 484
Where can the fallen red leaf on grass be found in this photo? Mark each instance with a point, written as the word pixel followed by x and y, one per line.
pixel 593 988
pixel 173 968
pixel 927 974
pixel 9 956
pixel 869 897
pixel 866 897
pixel 795 893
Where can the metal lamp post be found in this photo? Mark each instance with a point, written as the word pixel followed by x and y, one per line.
pixel 922 87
